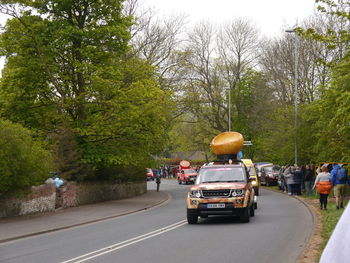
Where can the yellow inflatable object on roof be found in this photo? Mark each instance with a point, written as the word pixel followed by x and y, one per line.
pixel 227 143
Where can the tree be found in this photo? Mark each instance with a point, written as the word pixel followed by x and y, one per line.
pixel 69 62
pixel 23 161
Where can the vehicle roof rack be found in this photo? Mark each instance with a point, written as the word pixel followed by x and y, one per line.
pixel 227 158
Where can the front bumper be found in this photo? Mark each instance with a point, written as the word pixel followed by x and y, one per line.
pixel 231 204
pixel 228 210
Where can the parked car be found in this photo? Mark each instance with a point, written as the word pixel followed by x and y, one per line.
pixel 150 175
pixel 269 174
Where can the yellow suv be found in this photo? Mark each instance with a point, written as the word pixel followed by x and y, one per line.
pixel 252 173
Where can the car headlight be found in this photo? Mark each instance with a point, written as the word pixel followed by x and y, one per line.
pixel 254 182
pixel 195 194
pixel 237 192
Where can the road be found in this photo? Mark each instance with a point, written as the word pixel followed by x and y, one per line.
pixel 278 233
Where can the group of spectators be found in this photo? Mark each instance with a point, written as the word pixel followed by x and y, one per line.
pixel 295 179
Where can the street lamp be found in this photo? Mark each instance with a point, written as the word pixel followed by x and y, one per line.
pixel 229 108
pixel 295 92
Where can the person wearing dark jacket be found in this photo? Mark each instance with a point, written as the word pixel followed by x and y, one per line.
pixel 308 180
pixel 298 179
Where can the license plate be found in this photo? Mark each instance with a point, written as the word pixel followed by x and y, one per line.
pixel 215 205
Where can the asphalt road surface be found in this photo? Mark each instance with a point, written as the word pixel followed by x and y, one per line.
pixel 278 233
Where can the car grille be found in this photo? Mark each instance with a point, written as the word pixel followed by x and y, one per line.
pixel 216 193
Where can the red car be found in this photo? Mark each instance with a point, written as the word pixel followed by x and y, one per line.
pixel 187 176
pixel 150 175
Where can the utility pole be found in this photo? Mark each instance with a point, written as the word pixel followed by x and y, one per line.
pixel 296 55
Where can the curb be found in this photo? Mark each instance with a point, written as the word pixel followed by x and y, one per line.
pixel 162 202
pixel 315 221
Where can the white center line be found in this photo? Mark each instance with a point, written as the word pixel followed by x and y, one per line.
pixel 125 243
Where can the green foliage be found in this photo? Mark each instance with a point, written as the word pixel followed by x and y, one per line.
pixel 68 158
pixel 334 117
pixel 120 174
pixel 23 161
pixel 68 62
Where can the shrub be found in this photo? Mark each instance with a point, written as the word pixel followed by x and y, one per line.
pixel 23 161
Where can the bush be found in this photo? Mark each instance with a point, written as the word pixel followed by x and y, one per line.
pixel 119 174
pixel 23 161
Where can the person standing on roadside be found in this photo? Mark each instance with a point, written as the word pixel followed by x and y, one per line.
pixel 324 186
pixel 289 179
pixel 158 182
pixel 340 180
pixel 298 179
pixel 308 180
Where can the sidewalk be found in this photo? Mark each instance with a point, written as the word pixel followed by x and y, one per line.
pixel 19 227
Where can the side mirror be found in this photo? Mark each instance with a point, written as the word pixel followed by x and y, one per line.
pixel 251 178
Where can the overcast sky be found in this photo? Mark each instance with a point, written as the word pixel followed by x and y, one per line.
pixel 269 15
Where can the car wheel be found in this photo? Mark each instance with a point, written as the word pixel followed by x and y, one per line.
pixel 244 216
pixel 257 192
pixel 179 181
pixel 255 205
pixel 267 183
pixel 251 210
pixel 192 218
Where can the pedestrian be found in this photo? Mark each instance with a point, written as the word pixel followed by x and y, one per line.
pixel 324 186
pixel 158 182
pixel 308 180
pixel 298 180
pixel 340 180
pixel 289 179
pixel 173 172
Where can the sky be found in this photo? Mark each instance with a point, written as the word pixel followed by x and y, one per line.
pixel 269 15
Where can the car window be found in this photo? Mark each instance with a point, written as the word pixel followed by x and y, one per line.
pixel 251 171
pixel 221 174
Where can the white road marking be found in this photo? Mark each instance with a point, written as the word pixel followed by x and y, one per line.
pixel 125 243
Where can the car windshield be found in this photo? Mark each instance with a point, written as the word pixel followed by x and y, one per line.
pixel 268 169
pixel 189 171
pixel 220 174
pixel 251 171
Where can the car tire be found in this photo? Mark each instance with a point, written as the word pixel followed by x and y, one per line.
pixel 244 217
pixel 179 181
pixel 257 192
pixel 192 218
pixel 255 205
pixel 267 183
pixel 251 210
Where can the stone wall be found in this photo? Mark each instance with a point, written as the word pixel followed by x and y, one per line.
pixel 67 195
pixel 41 199
pixel 46 198
pixel 93 192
